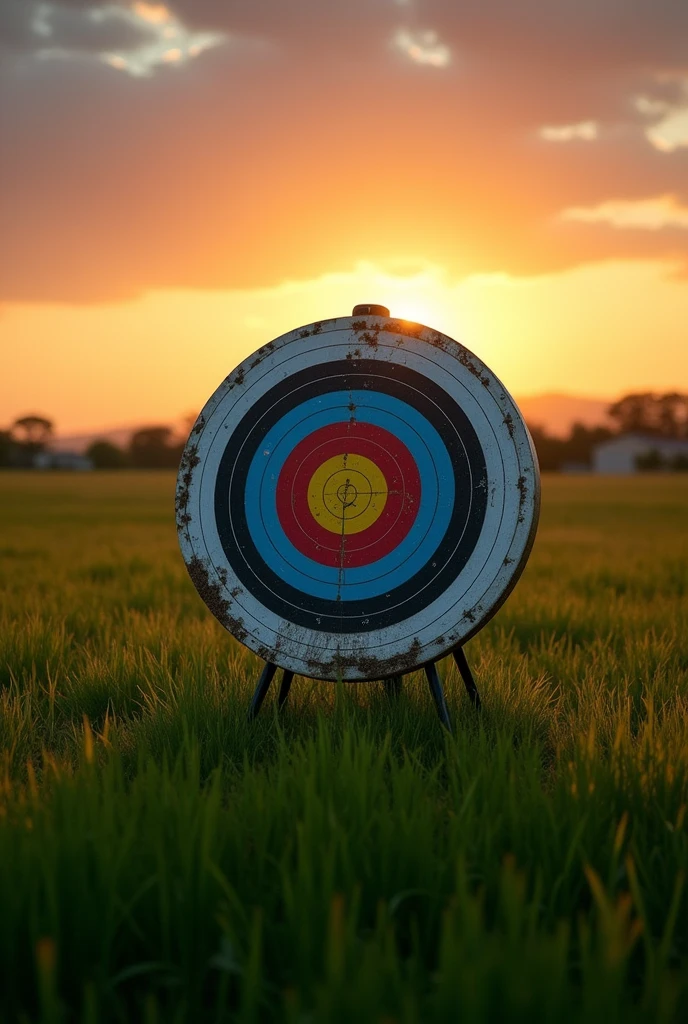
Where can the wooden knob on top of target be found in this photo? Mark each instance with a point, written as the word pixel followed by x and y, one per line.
pixel 369 310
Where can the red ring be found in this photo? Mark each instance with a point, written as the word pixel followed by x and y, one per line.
pixel 389 529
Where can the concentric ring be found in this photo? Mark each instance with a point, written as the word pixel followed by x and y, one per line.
pixel 342 590
pixel 388 514
pixel 347 494
pixel 357 498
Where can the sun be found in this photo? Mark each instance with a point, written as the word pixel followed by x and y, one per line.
pixel 414 310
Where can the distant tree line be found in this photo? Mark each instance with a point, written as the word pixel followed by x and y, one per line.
pixel 158 447
pixel 27 436
pixel 646 413
pixel 148 448
pixel 575 450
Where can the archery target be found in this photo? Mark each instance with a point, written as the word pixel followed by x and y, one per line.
pixel 357 498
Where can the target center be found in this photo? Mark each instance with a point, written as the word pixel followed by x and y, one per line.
pixel 347 493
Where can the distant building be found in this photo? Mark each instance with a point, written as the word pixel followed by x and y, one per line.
pixel 62 460
pixel 630 453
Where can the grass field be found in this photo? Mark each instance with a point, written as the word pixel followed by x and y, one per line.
pixel 162 861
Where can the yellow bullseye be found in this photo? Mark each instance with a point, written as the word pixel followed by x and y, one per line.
pixel 347 493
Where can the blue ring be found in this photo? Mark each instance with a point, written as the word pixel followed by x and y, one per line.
pixel 432 519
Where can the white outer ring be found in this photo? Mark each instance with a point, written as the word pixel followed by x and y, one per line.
pixel 476 593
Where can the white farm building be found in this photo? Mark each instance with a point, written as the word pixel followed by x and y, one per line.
pixel 621 454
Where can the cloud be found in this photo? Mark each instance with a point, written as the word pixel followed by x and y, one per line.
pixel 172 42
pixel 34 27
pixel 422 47
pixel 135 37
pixel 668 129
pixel 156 14
pixel 646 214
pixel 585 130
pixel 211 144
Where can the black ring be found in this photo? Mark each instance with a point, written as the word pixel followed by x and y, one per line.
pixel 451 554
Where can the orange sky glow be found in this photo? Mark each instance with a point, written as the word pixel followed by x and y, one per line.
pixel 182 182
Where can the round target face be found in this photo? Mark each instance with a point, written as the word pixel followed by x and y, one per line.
pixel 357 498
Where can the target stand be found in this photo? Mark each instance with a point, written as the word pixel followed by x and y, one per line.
pixel 356 500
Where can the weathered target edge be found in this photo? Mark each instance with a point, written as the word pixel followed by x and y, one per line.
pixel 212 583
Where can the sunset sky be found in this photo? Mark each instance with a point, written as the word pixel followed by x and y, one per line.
pixel 180 183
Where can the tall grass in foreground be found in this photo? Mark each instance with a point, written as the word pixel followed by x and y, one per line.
pixel 162 860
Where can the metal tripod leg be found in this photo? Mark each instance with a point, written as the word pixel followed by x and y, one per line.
pixel 438 694
pixel 285 687
pixel 392 686
pixel 467 676
pixel 261 690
